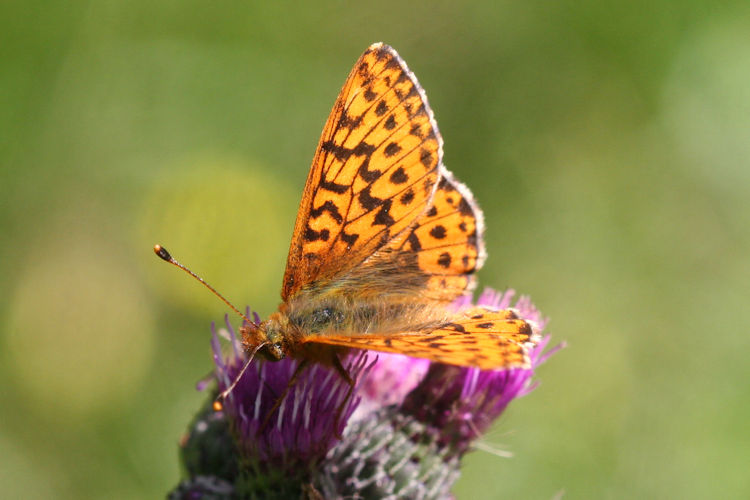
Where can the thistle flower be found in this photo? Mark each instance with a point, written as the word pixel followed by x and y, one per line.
pixel 306 423
pixel 463 402
pixel 402 432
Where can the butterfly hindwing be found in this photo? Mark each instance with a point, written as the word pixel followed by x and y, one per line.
pixel 374 172
pixel 446 242
pixel 476 337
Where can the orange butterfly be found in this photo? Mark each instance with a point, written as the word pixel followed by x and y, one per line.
pixel 385 239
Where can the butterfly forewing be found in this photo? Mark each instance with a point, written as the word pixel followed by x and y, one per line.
pixel 374 172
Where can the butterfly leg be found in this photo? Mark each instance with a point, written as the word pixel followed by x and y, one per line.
pixel 292 382
pixel 348 379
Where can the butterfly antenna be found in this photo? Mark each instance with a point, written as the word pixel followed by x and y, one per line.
pixel 226 392
pixel 165 255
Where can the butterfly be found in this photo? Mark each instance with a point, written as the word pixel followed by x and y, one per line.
pixel 385 240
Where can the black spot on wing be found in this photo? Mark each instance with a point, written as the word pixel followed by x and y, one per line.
pixel 438 232
pixel 464 207
pixel 456 327
pixel 329 207
pixel 363 149
pixel 399 176
pixel 444 260
pixel 445 185
pixel 381 108
pixel 525 329
pixel 333 187
pixel 368 175
pixel 368 201
pixel 421 109
pixel 383 217
pixel 349 239
pixel 407 197
pixel 391 149
pixel 343 154
pixel 416 245
pixel 337 150
pixel 312 235
pixel 346 121
pixel 426 158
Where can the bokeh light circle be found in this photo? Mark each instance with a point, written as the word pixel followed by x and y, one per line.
pixel 228 222
pixel 80 333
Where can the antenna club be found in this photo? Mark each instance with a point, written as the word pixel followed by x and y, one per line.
pixel 162 253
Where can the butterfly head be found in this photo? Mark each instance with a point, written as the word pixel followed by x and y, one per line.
pixel 266 338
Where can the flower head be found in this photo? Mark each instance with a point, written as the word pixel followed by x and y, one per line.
pixel 400 431
pixel 463 402
pixel 282 413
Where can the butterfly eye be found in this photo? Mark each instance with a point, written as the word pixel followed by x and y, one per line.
pixel 273 352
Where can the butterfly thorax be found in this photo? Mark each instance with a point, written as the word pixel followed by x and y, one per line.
pixel 282 336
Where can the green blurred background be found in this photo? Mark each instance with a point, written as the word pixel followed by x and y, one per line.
pixel 608 143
